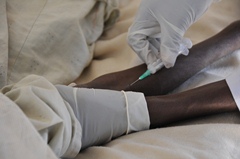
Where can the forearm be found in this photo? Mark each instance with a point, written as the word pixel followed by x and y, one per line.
pixel 200 56
pixel 165 80
pixel 206 100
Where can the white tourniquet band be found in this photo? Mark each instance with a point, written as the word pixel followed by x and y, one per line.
pixel 233 82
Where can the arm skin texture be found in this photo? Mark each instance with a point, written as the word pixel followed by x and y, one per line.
pixel 165 80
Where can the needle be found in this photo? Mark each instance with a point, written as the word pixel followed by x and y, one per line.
pixel 134 82
pixel 147 73
pixel 144 75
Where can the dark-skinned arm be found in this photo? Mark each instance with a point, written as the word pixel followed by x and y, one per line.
pixel 206 100
pixel 201 55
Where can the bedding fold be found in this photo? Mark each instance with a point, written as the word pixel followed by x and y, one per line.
pixel 54 39
pixel 53 118
pixel 19 139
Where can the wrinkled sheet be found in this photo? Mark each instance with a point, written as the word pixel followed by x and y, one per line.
pixel 54 39
pixel 18 137
pixel 50 115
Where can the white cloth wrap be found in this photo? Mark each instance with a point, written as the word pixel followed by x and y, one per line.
pixel 53 118
pixel 19 139
pixel 233 82
pixel 106 114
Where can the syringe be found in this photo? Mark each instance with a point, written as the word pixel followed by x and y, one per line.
pixel 183 49
pixel 154 67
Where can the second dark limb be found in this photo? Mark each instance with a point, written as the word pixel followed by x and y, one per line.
pixel 206 100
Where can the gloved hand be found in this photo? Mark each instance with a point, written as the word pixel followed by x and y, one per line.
pixel 157 33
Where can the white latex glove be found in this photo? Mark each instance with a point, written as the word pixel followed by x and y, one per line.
pixel 157 33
